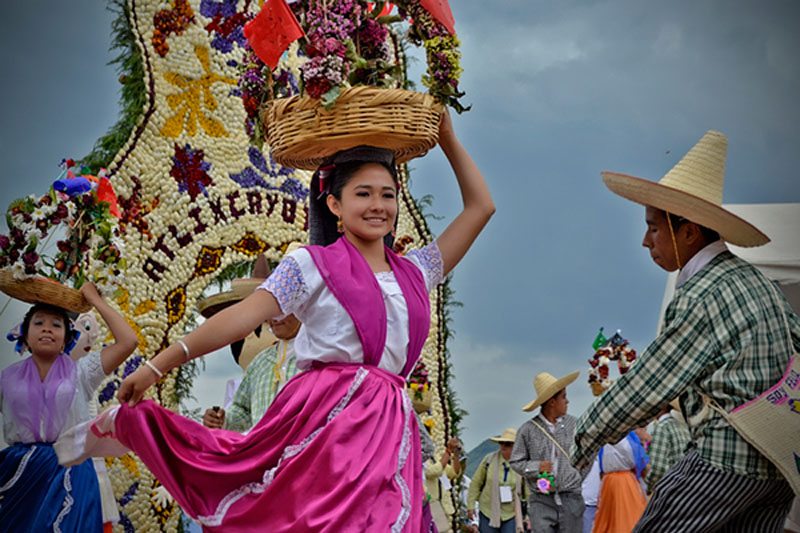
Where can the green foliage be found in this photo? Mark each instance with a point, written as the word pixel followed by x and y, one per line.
pixel 133 97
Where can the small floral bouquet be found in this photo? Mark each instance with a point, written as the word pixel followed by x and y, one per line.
pixel 343 44
pixel 419 388
pixel 544 482
pixel 86 207
pixel 418 381
pixel 607 350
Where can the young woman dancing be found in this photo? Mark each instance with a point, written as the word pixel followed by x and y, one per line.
pixel 338 449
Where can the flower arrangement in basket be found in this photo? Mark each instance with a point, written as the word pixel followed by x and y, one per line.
pixel 86 207
pixel 350 86
pixel 419 388
pixel 606 350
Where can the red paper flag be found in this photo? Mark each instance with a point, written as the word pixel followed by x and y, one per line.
pixel 105 193
pixel 272 31
pixel 440 10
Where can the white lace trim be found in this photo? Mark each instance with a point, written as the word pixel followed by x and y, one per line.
pixel 20 469
pixel 290 451
pixel 402 457
pixel 68 501
pixel 287 285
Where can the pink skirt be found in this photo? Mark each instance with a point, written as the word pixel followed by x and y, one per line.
pixel 337 451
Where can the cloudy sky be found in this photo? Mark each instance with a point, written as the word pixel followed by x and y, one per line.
pixel 560 91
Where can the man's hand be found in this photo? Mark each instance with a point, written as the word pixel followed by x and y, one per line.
pixel 546 466
pixel 214 418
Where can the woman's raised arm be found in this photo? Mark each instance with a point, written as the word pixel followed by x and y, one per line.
pixel 456 239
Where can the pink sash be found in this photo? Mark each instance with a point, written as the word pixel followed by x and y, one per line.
pixel 351 280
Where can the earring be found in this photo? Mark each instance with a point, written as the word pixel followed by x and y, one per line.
pixel 340 225
pixel 393 233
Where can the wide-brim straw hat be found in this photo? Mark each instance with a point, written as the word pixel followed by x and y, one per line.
pixel 509 435
pixel 692 190
pixel 240 289
pixel 547 386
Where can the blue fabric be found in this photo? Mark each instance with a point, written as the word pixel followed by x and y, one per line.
pixel 73 186
pixel 600 459
pixel 640 456
pixel 38 496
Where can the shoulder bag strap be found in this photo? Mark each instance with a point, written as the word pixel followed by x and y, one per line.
pixel 552 438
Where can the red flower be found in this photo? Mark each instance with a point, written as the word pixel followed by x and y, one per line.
pixel 317 87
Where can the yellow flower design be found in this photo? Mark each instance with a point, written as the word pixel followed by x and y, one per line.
pixel 189 103
pixel 124 303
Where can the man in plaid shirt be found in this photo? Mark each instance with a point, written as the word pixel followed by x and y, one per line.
pixel 723 338
pixel 265 376
pixel 667 445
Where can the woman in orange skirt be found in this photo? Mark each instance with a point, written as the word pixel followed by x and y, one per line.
pixel 622 496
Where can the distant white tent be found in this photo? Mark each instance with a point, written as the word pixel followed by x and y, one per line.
pixel 779 260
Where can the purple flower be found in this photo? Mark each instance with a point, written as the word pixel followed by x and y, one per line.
pixel 295 188
pixel 129 494
pixel 131 365
pixel 108 391
pixel 30 258
pixel 249 178
pixel 4 242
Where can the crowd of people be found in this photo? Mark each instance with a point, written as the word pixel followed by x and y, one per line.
pixel 320 435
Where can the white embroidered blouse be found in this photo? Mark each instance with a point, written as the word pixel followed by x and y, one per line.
pixel 328 333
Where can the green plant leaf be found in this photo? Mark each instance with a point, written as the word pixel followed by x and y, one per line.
pixel 330 97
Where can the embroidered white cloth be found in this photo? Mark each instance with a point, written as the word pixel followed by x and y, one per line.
pixel 329 330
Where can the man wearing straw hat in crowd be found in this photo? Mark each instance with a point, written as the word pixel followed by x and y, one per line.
pixel 541 456
pixel 724 342
pixel 498 490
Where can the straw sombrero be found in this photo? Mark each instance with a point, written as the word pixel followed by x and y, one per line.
pixel 547 386
pixel 509 435
pixel 693 190
pixel 241 288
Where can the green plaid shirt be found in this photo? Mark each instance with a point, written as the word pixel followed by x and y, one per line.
pixel 667 447
pixel 262 381
pixel 723 336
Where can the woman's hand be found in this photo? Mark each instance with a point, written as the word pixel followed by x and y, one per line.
pixel 446 131
pixel 134 386
pixel 90 294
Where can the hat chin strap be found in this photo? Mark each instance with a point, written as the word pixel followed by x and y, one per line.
pixel 674 242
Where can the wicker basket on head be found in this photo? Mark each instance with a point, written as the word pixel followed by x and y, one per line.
pixel 301 133
pixel 43 290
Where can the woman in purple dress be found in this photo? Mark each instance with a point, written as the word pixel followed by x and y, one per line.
pixel 40 397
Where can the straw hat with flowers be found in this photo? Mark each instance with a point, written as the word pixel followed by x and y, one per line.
pixel 693 190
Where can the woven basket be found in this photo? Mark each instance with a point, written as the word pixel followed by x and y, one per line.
pixel 597 388
pixel 43 290
pixel 420 405
pixel 301 133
